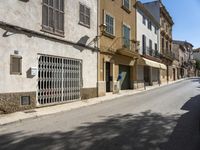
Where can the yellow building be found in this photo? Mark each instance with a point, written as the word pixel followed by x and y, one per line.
pixel 118 45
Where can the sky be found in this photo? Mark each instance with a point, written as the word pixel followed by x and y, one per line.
pixel 186 16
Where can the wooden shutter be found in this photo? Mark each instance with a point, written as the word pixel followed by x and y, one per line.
pixel 82 11
pixel 53 16
pixel 15 65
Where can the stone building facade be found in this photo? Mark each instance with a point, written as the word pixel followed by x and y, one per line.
pixel 186 61
pixel 47 52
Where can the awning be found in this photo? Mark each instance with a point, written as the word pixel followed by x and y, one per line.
pixel 147 62
pixel 162 66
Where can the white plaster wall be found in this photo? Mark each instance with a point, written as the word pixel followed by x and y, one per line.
pixel 28 48
pixel 150 34
pixel 29 15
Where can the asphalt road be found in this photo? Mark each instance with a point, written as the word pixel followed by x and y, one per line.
pixel 161 119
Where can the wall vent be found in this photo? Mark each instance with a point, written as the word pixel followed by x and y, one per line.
pixel 25 100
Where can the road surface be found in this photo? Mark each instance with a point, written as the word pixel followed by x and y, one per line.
pixel 166 118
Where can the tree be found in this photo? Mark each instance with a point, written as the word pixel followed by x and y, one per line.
pixel 198 64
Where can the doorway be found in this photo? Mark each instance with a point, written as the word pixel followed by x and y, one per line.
pixel 108 77
pixel 124 71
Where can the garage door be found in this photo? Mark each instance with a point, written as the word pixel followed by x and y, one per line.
pixel 59 79
pixel 125 74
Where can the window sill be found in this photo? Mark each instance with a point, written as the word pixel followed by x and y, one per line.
pixel 53 33
pixel 85 25
pixel 108 35
pixel 15 73
pixel 126 9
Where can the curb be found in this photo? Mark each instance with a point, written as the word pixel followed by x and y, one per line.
pixel 41 112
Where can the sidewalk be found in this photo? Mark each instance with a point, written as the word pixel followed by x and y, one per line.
pixel 38 112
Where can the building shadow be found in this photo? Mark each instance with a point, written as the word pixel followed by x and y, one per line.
pixel 186 135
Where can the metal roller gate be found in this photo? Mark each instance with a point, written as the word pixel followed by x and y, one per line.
pixel 59 79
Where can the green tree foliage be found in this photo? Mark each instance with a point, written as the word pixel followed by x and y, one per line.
pixel 198 64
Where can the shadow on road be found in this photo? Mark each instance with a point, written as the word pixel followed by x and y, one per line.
pixel 186 135
pixel 144 131
pixel 120 132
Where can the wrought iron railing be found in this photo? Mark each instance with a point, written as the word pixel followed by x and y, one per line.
pixel 169 54
pixel 124 43
pixel 151 52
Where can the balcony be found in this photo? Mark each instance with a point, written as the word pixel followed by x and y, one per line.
pixel 168 54
pixel 151 52
pixel 185 64
pixel 125 47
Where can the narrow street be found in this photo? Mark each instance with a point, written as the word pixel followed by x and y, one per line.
pixel 161 119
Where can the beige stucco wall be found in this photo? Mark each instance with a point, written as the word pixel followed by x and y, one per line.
pixel 114 8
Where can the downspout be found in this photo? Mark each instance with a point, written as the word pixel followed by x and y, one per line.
pixel 98 13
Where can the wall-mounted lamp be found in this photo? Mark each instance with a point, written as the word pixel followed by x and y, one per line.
pixel 103 28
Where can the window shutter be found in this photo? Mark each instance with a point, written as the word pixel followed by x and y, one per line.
pixel 53 16
pixel 15 65
pixel 62 5
pixel 45 15
pixel 84 15
pixel 82 20
pixel 88 16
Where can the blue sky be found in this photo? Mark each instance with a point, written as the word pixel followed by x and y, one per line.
pixel 186 16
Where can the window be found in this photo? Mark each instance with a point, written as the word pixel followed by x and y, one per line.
pixel 156 47
pixel 15 65
pixel 166 28
pixel 150 47
pixel 144 44
pixel 163 45
pixel 150 44
pixel 126 36
pixel 144 20
pixel 167 45
pixel 110 24
pixel 155 30
pixel 126 4
pixel 149 25
pixel 53 16
pixel 163 23
pixel 84 15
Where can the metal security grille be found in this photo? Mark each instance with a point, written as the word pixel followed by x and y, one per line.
pixel 59 79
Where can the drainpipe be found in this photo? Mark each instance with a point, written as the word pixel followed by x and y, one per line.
pixel 98 5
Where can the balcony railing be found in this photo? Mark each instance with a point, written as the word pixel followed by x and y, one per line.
pixel 122 43
pixel 129 44
pixel 169 54
pixel 151 52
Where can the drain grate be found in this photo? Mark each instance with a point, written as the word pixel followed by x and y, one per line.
pixel 30 111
